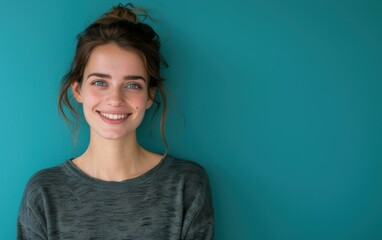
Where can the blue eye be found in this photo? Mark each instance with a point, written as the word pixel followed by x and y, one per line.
pixel 99 83
pixel 133 86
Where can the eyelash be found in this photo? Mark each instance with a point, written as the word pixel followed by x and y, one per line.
pixel 97 83
pixel 136 86
pixel 100 83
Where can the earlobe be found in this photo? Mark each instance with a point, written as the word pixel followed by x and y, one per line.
pixel 150 101
pixel 76 91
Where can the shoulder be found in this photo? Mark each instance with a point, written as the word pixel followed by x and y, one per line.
pixel 32 210
pixel 47 175
pixel 45 178
pixel 189 175
pixel 195 191
pixel 187 168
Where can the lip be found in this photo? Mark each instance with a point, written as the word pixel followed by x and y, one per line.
pixel 114 121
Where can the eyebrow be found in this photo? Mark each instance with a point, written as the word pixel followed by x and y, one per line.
pixel 128 77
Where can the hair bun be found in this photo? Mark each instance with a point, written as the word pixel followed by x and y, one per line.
pixel 123 12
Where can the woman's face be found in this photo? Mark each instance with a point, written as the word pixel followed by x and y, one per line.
pixel 113 92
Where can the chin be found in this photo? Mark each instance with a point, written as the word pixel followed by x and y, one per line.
pixel 113 135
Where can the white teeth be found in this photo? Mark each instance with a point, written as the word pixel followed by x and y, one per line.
pixel 114 116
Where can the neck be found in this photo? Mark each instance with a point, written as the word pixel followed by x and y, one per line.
pixel 115 160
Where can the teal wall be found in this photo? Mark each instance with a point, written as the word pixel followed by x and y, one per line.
pixel 279 100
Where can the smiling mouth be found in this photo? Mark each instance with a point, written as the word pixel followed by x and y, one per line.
pixel 114 116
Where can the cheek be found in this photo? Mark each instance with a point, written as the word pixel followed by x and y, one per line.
pixel 139 104
pixel 90 97
pixel 90 101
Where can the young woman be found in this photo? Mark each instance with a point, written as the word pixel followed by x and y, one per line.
pixel 117 189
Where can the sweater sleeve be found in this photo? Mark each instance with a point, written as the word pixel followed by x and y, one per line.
pixel 31 221
pixel 199 218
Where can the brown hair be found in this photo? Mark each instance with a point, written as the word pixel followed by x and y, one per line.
pixel 122 25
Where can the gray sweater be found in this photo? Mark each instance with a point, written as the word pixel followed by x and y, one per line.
pixel 170 201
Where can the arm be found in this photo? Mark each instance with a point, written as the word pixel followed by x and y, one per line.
pixel 30 221
pixel 200 216
pixel 26 233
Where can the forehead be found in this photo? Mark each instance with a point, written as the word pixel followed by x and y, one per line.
pixel 114 60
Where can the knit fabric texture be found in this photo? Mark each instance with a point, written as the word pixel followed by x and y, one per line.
pixel 170 201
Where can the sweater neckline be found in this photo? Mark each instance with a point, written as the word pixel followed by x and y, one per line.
pixel 77 172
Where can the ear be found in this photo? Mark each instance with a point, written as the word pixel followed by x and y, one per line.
pixel 76 91
pixel 150 101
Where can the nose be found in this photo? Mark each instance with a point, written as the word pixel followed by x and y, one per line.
pixel 115 97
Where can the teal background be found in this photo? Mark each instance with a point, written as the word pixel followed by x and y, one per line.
pixel 279 100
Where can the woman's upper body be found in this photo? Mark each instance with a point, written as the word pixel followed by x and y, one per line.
pixel 170 201
pixel 117 189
